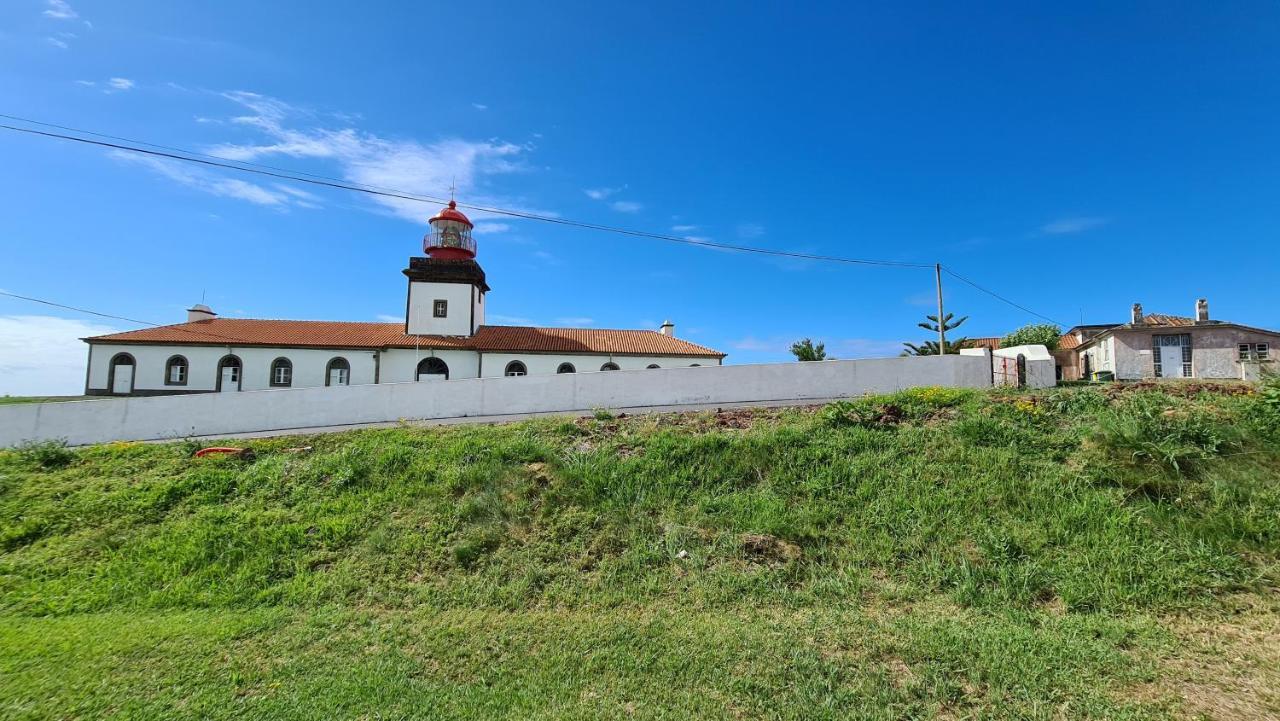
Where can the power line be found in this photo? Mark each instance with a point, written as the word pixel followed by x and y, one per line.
pixel 188 156
pixel 999 297
pixel 320 181
pixel 78 310
pixel 176 327
pixel 191 152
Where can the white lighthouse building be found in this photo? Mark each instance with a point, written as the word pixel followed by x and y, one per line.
pixel 444 336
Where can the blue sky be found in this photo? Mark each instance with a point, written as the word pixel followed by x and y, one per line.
pixel 1075 160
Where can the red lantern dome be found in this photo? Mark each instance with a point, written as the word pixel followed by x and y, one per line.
pixel 450 235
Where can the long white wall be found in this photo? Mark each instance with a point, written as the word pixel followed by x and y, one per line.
pixel 97 421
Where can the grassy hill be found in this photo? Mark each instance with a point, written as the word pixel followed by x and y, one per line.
pixel 1080 553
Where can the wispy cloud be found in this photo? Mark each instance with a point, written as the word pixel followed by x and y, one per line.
pixel 490 228
pixel 110 85
pixel 1068 226
pixel 56 42
pixel 575 321
pixel 60 10
pixel 480 106
pixel 852 348
pixel 367 159
pixel 626 206
pixel 754 344
pixel 388 318
pixel 779 347
pixel 42 355
pixel 277 196
pixel 508 319
pixel 603 193
pixel 683 228
pixel 923 300
pixel 750 230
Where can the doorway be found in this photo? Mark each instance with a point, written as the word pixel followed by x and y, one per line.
pixel 122 367
pixel 1172 356
pixel 229 374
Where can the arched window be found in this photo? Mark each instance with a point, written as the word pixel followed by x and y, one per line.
pixel 120 374
pixel 516 368
pixel 175 371
pixel 566 368
pixel 610 366
pixel 229 374
pixel 431 369
pixel 653 365
pixel 338 372
pixel 281 373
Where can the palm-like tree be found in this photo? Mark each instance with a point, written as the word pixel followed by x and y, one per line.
pixel 931 347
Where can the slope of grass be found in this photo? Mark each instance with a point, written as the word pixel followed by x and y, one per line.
pixel 932 553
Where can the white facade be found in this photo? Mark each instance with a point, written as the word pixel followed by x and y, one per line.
pixel 463 308
pixel 309 366
pixel 150 362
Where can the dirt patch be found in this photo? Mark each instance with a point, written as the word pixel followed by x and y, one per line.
pixel 763 548
pixel 1225 668
pixel 1181 389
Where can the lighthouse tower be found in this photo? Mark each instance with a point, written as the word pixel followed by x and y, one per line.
pixel 450 235
pixel 446 288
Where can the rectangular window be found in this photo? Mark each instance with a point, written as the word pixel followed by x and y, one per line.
pixel 1186 355
pixel 1244 351
pixel 441 309
pixel 177 374
pixel 1262 350
pixel 283 376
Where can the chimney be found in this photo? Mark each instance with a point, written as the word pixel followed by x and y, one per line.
pixel 668 328
pixel 1202 311
pixel 1137 314
pixel 199 312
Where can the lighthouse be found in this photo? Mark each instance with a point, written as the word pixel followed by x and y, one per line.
pixel 450 235
pixel 447 287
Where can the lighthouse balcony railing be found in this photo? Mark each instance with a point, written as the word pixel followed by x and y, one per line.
pixel 449 238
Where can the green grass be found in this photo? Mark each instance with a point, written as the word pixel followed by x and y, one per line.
pixel 7 400
pixel 935 553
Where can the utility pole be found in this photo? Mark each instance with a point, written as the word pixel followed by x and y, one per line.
pixel 942 330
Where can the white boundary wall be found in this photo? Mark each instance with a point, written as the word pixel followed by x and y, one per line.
pixel 206 414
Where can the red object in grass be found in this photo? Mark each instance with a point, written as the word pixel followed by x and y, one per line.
pixel 217 449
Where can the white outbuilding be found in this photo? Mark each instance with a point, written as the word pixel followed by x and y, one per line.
pixel 443 336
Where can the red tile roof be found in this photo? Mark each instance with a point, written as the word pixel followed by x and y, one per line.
pixel 1160 319
pixel 1068 341
pixel 341 334
pixel 993 343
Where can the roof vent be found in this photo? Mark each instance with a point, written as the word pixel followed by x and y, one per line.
pixel 199 312
pixel 668 328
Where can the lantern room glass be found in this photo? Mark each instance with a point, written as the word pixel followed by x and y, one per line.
pixel 447 233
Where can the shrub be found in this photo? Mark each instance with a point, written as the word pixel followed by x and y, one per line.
pixel 1150 430
pixel 1268 402
pixel 47 454
pixel 1045 334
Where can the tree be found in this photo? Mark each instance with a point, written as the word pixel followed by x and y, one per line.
pixel 805 350
pixel 1045 334
pixel 931 347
